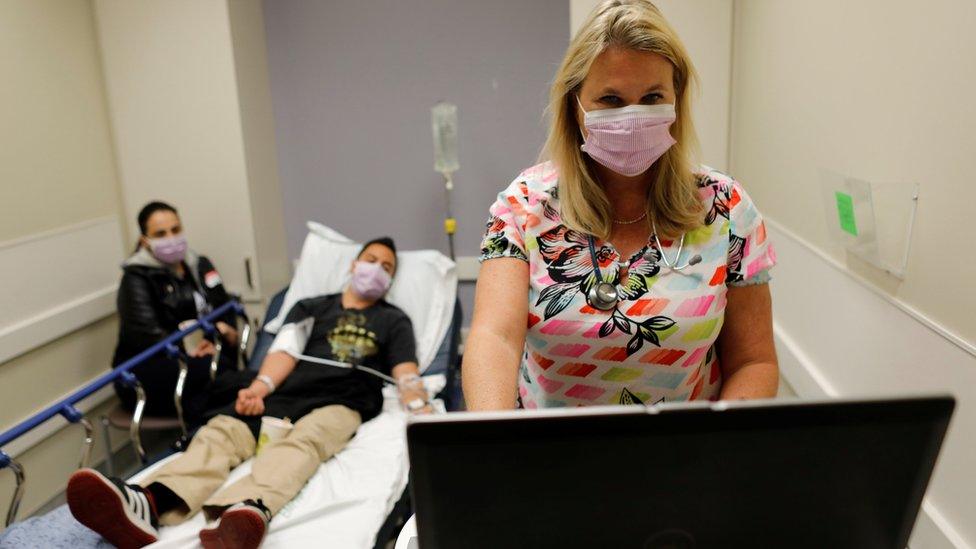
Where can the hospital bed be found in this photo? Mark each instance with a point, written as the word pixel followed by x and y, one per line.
pixel 350 498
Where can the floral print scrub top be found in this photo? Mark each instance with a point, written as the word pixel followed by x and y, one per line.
pixel 658 344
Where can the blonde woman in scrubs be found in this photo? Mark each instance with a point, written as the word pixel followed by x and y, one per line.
pixel 619 271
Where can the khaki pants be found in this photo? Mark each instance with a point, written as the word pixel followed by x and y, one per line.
pixel 277 474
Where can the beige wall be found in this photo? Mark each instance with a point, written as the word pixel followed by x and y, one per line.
pixel 190 110
pixel 258 130
pixel 63 365
pixel 31 382
pixel 193 126
pixel 173 104
pixel 824 85
pixel 56 162
pixel 705 26
pixel 57 168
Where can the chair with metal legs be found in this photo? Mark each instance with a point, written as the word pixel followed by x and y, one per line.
pixel 244 329
pixel 136 422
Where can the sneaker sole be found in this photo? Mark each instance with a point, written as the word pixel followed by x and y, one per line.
pixel 238 529
pixel 98 504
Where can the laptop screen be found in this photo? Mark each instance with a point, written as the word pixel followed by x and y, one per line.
pixel 838 474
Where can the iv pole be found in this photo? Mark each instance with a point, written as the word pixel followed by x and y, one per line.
pixel 450 224
pixel 443 117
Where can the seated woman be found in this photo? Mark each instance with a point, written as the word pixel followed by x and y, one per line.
pixel 328 403
pixel 163 284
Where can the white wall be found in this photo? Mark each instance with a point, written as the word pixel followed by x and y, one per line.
pixel 877 89
pixel 705 26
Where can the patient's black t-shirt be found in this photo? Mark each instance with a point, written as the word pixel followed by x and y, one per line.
pixel 380 337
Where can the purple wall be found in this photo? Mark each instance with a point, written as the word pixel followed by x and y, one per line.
pixel 352 85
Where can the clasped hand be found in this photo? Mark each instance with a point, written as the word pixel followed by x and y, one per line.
pixel 250 401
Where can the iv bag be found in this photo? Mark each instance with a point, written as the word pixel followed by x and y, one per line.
pixel 443 118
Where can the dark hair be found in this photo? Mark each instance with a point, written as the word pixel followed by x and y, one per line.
pixel 146 212
pixel 384 241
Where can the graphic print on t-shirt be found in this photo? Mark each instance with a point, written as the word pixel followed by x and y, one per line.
pixel 350 340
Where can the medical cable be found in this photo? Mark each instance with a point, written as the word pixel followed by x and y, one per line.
pixel 348 365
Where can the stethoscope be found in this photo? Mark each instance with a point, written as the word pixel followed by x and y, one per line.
pixel 604 295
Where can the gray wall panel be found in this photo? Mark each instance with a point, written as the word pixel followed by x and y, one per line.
pixel 352 84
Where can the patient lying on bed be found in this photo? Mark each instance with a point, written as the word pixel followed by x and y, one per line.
pixel 327 404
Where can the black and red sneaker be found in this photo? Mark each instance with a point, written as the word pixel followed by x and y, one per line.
pixel 242 526
pixel 122 513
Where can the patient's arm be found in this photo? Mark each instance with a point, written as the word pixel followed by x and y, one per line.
pixel 410 386
pixel 493 350
pixel 279 362
pixel 276 366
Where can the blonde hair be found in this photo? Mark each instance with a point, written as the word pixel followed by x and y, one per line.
pixel 673 201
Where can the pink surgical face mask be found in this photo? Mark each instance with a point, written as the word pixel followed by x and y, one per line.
pixel 369 280
pixel 628 140
pixel 170 250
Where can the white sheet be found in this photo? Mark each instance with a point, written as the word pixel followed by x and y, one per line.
pixel 425 286
pixel 346 501
pixel 343 505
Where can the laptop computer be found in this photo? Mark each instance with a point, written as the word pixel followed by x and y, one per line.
pixel 838 474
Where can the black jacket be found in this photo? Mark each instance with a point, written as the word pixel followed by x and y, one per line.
pixel 152 301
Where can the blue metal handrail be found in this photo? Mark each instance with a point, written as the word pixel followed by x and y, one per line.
pixel 65 407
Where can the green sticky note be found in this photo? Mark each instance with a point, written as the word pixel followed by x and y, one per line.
pixel 845 212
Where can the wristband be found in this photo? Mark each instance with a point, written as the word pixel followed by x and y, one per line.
pixel 267 381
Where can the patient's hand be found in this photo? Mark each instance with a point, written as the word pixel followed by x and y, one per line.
pixel 250 402
pixel 413 395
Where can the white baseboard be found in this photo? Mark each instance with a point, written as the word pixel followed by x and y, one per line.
pixel 836 337
pixel 932 530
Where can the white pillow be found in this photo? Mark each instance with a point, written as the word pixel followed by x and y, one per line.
pixel 425 285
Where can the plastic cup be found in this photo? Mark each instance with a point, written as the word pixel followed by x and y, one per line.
pixel 191 340
pixel 272 429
